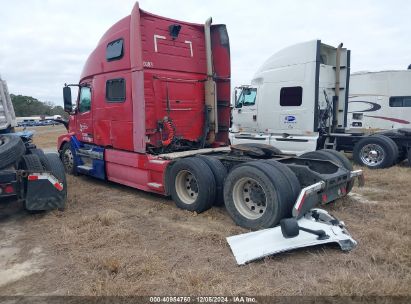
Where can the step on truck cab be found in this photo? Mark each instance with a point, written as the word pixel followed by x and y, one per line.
pixel 153 113
pixel 298 102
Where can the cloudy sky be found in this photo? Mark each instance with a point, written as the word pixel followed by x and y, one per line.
pixel 44 43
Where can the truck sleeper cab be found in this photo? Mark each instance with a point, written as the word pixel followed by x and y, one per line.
pixel 153 113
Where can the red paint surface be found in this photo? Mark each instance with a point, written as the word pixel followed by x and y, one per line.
pixel 172 73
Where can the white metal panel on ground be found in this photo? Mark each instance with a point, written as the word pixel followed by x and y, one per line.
pixel 256 245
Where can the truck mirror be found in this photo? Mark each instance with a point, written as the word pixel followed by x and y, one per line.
pixel 68 106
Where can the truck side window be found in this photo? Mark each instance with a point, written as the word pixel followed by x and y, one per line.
pixel 114 50
pixel 247 98
pixel 400 101
pixel 291 96
pixel 85 100
pixel 116 90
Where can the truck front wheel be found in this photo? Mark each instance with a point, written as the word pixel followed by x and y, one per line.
pixel 375 152
pixel 67 158
pixel 193 185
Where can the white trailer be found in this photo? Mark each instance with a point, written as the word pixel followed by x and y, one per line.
pixel 379 101
pixel 288 103
pixel 298 101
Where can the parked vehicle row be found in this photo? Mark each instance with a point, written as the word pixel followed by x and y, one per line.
pixel 38 123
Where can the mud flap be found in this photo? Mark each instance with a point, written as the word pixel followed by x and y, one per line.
pixel 44 192
pixel 259 244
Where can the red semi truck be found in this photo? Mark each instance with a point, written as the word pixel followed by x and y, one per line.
pixel 153 113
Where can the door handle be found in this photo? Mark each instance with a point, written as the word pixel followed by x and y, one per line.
pixel 239 110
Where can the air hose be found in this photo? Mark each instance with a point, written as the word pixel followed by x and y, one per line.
pixel 169 128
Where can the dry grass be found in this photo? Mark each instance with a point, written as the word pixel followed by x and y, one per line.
pixel 114 240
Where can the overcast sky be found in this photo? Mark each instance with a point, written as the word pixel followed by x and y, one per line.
pixel 44 43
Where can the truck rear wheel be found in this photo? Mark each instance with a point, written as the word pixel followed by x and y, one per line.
pixel 220 173
pixel 289 175
pixel 67 158
pixel 193 186
pixel 375 152
pixel 393 145
pixel 31 163
pixel 344 161
pixel 255 196
pixel 322 155
pixel 11 149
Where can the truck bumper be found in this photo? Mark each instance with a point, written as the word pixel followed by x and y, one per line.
pixel 324 192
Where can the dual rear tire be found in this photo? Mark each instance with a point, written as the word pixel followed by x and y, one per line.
pixel 259 194
pixel 256 194
pixel 192 184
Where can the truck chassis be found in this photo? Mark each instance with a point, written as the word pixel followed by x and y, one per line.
pixel 258 185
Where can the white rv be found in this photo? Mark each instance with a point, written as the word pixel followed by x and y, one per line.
pixel 379 101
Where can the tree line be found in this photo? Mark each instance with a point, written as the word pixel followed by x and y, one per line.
pixel 30 106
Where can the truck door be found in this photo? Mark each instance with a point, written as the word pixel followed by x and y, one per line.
pixel 245 110
pixel 84 126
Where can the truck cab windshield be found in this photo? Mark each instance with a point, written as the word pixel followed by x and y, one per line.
pixel 247 97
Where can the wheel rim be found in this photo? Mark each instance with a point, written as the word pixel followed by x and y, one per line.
pixel 186 187
pixel 372 155
pixel 68 160
pixel 249 198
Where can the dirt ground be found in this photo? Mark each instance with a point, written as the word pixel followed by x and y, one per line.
pixel 115 240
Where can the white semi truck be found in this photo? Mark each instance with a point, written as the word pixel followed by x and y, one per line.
pixel 298 101
pixel 379 101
